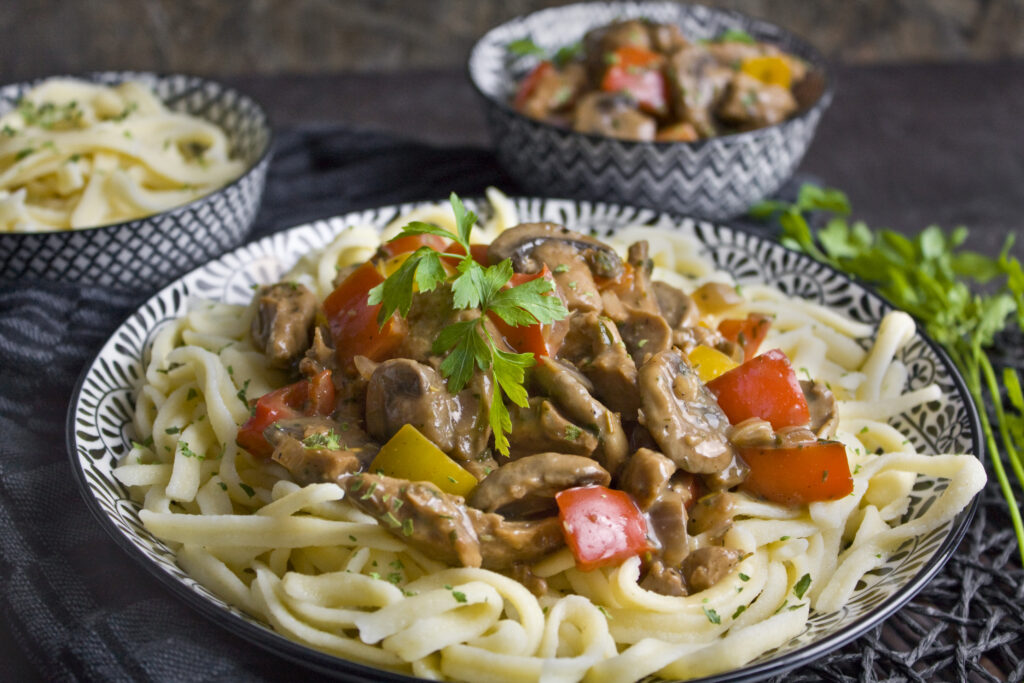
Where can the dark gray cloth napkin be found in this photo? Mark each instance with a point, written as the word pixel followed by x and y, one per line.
pixel 78 608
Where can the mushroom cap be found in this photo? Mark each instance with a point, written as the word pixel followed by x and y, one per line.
pixel 517 243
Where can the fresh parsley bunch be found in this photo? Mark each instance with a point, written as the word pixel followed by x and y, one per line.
pixel 469 343
pixel 938 282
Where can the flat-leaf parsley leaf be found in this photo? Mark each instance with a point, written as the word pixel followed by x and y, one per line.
pixel 469 344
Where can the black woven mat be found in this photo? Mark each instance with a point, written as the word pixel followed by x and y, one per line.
pixel 77 608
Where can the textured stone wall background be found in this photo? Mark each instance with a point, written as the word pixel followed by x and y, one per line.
pixel 228 37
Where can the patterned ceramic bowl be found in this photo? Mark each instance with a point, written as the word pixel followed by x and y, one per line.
pixel 714 178
pixel 100 418
pixel 148 252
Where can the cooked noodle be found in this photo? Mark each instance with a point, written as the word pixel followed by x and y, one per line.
pixel 75 154
pixel 325 574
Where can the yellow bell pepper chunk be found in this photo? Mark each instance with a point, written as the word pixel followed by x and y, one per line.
pixel 773 70
pixel 710 363
pixel 388 268
pixel 410 455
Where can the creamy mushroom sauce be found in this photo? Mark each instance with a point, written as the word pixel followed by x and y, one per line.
pixel 618 405
pixel 640 80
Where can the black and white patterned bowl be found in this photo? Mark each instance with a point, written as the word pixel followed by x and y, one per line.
pixel 148 252
pixel 99 425
pixel 714 178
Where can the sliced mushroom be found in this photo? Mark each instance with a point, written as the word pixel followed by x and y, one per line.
pixel 682 415
pixel 572 274
pixel 613 115
pixel 320 356
pixel 640 294
pixel 402 391
pixel 645 334
pixel 504 543
pixel 569 390
pixel 822 405
pixel 668 526
pixel 440 525
pixel 712 514
pixel 541 427
pixel 749 103
pixel 645 475
pixel 732 475
pixel 664 580
pixel 316 449
pixel 429 313
pixel 283 325
pixel 757 433
pixel 518 244
pixel 418 513
pixel 312 465
pixel 752 433
pixel 696 82
pixel 594 345
pixel 526 488
pixel 555 91
pixel 678 309
pixel 471 428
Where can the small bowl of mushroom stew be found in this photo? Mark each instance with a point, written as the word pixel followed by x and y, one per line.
pixel 676 107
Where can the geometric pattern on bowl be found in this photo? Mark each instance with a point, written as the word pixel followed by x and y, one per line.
pixel 715 178
pixel 149 252
pixel 99 430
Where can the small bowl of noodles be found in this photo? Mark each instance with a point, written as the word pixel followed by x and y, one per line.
pixel 126 179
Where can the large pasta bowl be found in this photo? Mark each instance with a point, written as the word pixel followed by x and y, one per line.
pixel 145 253
pixel 100 419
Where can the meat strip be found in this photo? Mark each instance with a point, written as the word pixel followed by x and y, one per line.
pixel 283 325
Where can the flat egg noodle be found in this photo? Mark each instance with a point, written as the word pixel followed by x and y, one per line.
pixel 322 573
pixel 76 154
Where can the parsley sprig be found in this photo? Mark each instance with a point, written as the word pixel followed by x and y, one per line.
pixel 469 343
pixel 962 298
pixel 525 47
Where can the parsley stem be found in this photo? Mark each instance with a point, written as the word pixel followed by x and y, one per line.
pixel 983 365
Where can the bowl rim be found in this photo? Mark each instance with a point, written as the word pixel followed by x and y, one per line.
pixel 123 76
pixel 816 59
pixel 327 663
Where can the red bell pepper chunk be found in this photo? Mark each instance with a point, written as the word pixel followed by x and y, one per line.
pixel 304 398
pixel 477 251
pixel 637 71
pixel 353 321
pixel 748 334
pixel 802 474
pixel 764 387
pixel 537 339
pixel 529 84
pixel 602 526
pixel 403 245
